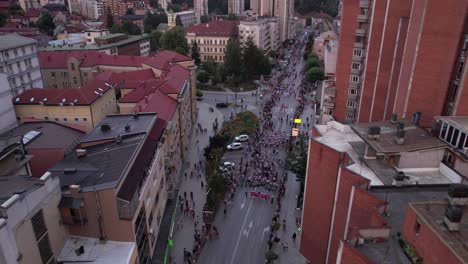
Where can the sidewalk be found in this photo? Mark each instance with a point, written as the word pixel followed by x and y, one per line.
pixel 184 237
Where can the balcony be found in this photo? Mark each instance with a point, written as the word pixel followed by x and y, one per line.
pixel 355 71
pixel 363 18
pixel 330 91
pixel 359 45
pixel 361 32
pixel 364 3
pixel 358 58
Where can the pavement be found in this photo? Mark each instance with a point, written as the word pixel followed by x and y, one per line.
pixel 184 237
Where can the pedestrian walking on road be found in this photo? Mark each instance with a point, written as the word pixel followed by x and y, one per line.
pixel 185 195
pixel 191 195
pixel 202 184
pixel 245 194
pixel 294 237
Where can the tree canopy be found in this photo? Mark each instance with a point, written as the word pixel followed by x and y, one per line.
pixel 152 21
pixel 155 37
pixel 195 54
pixel 126 27
pixel 46 24
pixel 174 39
pixel 110 21
pixel 2 19
pixel 315 74
pixel 233 62
pixel 254 62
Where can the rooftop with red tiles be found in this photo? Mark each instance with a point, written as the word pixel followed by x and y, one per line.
pixel 217 28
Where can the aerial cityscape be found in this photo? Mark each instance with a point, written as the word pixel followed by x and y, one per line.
pixel 233 131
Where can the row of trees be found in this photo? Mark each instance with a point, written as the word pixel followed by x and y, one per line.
pixel 314 71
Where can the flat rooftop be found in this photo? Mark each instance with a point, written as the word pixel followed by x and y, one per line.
pixel 95 46
pixel 433 213
pixel 340 137
pixel 11 185
pixel 104 164
pixel 96 251
pixel 398 198
pixel 416 138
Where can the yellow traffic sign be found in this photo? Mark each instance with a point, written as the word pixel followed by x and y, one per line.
pixel 297 120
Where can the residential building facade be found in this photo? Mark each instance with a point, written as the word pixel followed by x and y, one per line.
pixel 201 9
pixel 263 31
pixel 85 106
pixel 7 111
pixel 386 62
pixel 236 7
pixel 19 61
pixel 187 18
pixel 212 38
pixel 127 201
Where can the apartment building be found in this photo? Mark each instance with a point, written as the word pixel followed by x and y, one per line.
pixel 283 10
pixel 389 60
pixel 236 7
pixel 114 188
pixel 201 9
pixel 112 44
pixel 361 178
pixel 187 18
pixel 85 106
pixel 212 38
pixel 19 61
pixel 7 111
pixel 91 9
pixel 263 31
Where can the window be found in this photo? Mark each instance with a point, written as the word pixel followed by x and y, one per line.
pixel 85 74
pixel 2 70
pixel 65 119
pixel 18 65
pixel 75 80
pixel 351 104
pixel 77 119
pixel 23 50
pixel 52 74
pixel 356 66
pixel 354 78
pixel 29 76
pixel 357 52
pixel 353 91
pixel 85 119
pixel 72 65
pixel 42 238
pixel 22 79
pixel 15 52
pixel 7 54
pixel 46 118
pixel 56 119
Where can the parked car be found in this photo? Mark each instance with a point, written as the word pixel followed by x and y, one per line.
pixel 241 138
pixel 234 146
pixel 221 105
pixel 226 166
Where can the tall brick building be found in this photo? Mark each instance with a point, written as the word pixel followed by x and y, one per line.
pixel 401 57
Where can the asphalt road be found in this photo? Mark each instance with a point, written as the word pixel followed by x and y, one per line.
pixel 244 231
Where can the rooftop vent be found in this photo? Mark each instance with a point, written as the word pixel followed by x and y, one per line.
pixel 453 216
pixel 135 116
pixel 416 118
pixel 400 136
pixel 80 152
pixel 400 178
pixel 373 132
pixel 394 118
pixel 105 126
pixel 458 194
pixel 69 170
pixel 400 125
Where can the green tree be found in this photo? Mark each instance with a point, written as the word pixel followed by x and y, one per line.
pixel 15 9
pixel 251 59
pixel 46 24
pixel 178 21
pixel 174 39
pixel 312 62
pixel 155 36
pixel 152 21
pixel 220 73
pixel 2 19
pixel 313 55
pixel 195 54
pixel 203 77
pixel 175 8
pixel 233 62
pixel 315 74
pixel 128 27
pixel 110 21
pixel 205 19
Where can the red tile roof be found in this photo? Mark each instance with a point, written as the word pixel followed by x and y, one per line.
pixel 145 89
pixel 176 78
pixel 86 95
pixel 127 80
pixel 217 28
pixel 58 59
pixel 160 103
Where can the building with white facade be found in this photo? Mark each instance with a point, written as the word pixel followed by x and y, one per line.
pixel 19 61
pixel 188 18
pixel 236 6
pixel 7 111
pixel 263 31
pixel 201 9
pixel 283 9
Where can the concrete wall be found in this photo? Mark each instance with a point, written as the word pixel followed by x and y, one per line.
pixel 7 111
pixel 420 159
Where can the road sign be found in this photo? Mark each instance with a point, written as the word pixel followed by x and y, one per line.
pixel 171 242
pixel 297 120
pixel 299 229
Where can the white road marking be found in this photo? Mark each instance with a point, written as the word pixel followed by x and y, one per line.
pixel 240 233
pixel 243 203
pixel 266 229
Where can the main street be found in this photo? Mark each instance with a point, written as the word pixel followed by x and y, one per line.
pixel 245 229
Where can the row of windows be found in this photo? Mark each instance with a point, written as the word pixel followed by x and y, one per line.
pixel 27 64
pixel 22 80
pixel 205 49
pixel 210 41
pixel 65 119
pixel 351 104
pixel 215 58
pixel 15 52
pixel 454 136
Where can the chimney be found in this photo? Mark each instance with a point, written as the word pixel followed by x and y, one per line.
pixel 80 152
pixel 416 118
pixel 373 132
pixel 394 118
pixel 400 136
pixel 105 126
pixel 458 198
